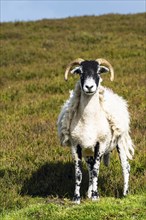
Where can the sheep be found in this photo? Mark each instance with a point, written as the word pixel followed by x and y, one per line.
pixel 94 121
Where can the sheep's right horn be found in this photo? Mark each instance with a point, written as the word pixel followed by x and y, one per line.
pixel 105 62
pixel 74 62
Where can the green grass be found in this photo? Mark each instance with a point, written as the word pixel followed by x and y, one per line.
pixel 33 58
pixel 132 207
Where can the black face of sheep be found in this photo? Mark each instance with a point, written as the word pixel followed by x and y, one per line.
pixel 89 72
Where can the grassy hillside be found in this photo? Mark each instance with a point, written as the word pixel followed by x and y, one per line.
pixel 32 62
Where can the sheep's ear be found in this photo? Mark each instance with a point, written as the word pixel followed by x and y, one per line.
pixel 77 70
pixel 102 69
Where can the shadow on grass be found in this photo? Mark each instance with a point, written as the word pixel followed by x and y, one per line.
pixel 54 179
pixel 57 179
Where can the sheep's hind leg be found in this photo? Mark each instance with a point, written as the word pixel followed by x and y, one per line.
pixel 125 168
pixel 77 154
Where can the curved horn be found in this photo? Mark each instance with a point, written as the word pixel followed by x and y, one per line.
pixel 105 62
pixel 74 62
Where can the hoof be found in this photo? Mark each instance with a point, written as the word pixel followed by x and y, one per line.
pixel 125 193
pixel 95 196
pixel 76 200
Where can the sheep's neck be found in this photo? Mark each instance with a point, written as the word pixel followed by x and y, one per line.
pixel 89 105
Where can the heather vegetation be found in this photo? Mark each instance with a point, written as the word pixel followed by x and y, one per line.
pixel 36 172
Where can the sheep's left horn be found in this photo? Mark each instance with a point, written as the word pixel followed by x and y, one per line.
pixel 74 62
pixel 105 62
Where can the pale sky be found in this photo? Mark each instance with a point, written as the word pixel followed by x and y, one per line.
pixel 26 10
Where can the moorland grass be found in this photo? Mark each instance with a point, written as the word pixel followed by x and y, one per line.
pixel 32 62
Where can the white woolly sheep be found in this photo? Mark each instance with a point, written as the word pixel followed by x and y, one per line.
pixel 94 121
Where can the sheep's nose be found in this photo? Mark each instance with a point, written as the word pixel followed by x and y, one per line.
pixel 89 87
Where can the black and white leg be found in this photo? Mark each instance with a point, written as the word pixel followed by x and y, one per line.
pixel 95 173
pixel 77 154
pixel 125 168
pixel 90 162
pixel 93 164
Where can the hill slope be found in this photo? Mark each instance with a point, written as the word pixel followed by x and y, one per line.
pixel 32 62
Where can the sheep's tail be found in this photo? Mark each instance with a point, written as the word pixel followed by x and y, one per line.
pixel 126 143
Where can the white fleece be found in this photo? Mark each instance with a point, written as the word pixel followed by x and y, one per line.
pixel 102 117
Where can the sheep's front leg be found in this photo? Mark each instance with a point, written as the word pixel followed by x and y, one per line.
pixel 95 173
pixel 77 154
pixel 93 164
pixel 90 163
pixel 125 168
